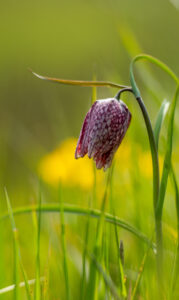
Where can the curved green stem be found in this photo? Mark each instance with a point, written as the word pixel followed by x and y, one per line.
pixel 158 195
pixel 154 154
pixel 150 132
pixel 164 67
pixel 154 151
pixel 118 95
pixel 157 62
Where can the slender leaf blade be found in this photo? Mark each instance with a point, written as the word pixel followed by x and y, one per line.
pixel 17 254
pixel 160 118
pixel 175 273
pixel 37 292
pixel 120 266
pixel 168 155
pixel 15 249
pixel 82 211
pixel 63 242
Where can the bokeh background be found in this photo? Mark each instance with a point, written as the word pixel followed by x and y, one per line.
pixel 73 40
pixel 40 121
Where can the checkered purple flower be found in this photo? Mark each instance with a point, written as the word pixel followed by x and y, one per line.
pixel 103 130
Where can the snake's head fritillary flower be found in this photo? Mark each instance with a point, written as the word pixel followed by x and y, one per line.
pixel 103 130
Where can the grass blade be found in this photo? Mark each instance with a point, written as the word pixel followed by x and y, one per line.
pixel 82 294
pixel 120 266
pixel 64 250
pixel 176 261
pixel 17 255
pixel 105 247
pixel 37 292
pixel 160 118
pixel 140 273
pixel 91 290
pixel 26 281
pixel 15 249
pixel 176 198
pixel 78 210
pixel 167 159
pixel 163 187
pixel 107 279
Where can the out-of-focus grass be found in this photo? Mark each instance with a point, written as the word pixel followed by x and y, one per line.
pixel 61 260
pixel 77 237
pixel 131 180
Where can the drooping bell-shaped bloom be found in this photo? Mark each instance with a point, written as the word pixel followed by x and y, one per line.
pixel 103 130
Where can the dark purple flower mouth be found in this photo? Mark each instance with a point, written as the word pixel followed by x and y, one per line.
pixel 103 130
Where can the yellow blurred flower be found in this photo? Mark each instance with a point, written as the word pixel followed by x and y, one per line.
pixel 123 155
pixel 145 163
pixel 121 180
pixel 61 166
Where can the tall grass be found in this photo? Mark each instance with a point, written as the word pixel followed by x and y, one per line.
pixel 93 263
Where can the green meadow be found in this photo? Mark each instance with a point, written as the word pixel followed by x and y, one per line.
pixel 67 230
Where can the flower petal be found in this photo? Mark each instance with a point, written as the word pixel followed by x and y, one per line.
pixel 82 145
pixel 103 130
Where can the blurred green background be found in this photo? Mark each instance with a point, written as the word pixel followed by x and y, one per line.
pixel 80 40
pixel 73 40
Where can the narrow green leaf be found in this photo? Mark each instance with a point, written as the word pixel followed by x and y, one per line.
pixel 26 281
pixel 176 197
pixel 79 82
pixel 82 293
pixel 120 267
pixel 91 289
pixel 37 292
pixel 168 155
pixel 77 210
pixel 161 115
pixel 107 279
pixel 105 248
pixel 160 118
pixel 46 289
pixel 15 249
pixel 175 273
pixel 158 63
pixel 64 250
pixel 17 254
pixel 140 273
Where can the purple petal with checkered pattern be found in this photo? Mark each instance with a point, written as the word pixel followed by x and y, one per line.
pixel 103 130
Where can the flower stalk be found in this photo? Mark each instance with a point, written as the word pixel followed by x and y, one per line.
pixel 159 188
pixel 118 95
pixel 155 163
